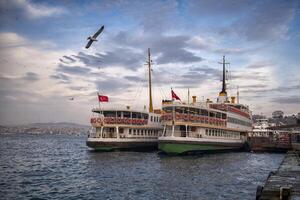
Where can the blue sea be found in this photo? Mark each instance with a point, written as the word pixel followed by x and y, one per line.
pixel 62 167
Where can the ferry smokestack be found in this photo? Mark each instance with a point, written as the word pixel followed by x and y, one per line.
pixel 232 99
pixel 194 99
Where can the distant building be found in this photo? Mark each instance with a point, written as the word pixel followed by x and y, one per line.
pixel 278 114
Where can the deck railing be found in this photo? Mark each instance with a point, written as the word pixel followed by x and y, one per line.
pixel 98 121
pixel 193 119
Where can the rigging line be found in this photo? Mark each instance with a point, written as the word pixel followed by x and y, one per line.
pixel 162 94
pixel 139 90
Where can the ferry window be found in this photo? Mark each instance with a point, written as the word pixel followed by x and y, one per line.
pixel 167 109
pixel 223 116
pixel 206 132
pixel 193 129
pixel 151 118
pixel 138 132
pixel 129 131
pixel 142 133
pixel 204 112
pixel 121 130
pixel 126 114
pixel 219 115
pixel 211 114
pixel 134 115
pixel 109 113
pixel 119 114
pixel 134 131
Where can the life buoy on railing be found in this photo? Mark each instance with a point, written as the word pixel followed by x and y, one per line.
pixel 168 117
pixel 112 120
pixel 192 118
pixel 98 120
pixel 185 117
pixel 133 121
pixel 119 120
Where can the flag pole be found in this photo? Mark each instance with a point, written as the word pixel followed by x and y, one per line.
pixel 173 113
pixel 99 103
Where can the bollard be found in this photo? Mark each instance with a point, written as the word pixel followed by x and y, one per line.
pixel 285 193
pixel 259 192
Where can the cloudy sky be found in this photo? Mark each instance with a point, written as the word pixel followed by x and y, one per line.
pixel 43 62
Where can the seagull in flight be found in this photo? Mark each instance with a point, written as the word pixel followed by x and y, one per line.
pixel 94 37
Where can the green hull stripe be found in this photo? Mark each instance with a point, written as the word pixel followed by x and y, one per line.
pixel 104 148
pixel 182 148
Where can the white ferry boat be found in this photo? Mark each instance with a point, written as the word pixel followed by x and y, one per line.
pixel 260 129
pixel 126 129
pixel 204 126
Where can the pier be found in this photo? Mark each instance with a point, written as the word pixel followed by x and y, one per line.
pixel 284 183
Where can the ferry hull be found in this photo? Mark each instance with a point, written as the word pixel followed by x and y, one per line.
pixel 122 145
pixel 186 147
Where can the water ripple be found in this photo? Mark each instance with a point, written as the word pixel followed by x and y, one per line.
pixel 61 167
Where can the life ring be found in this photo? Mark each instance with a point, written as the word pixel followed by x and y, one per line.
pixel 119 120
pixel 112 120
pixel 185 117
pixel 98 120
pixel 178 116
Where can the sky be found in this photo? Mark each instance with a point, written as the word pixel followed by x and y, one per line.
pixel 44 63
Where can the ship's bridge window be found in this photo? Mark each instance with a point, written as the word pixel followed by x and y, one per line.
pixel 126 114
pixel 168 109
pixel 119 114
pixel 144 116
pixel 109 113
pixel 136 115
pixel 194 111
pixel 204 112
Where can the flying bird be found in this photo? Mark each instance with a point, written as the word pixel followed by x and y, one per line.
pixel 94 37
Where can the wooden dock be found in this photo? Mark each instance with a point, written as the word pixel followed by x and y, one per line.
pixel 283 184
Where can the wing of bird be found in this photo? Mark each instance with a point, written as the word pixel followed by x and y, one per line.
pixel 98 32
pixel 89 44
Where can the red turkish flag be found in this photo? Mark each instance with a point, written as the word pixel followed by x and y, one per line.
pixel 102 98
pixel 174 96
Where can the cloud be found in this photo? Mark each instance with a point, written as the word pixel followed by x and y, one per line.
pixel 267 20
pixel 74 70
pixel 165 48
pixel 250 20
pixel 287 100
pixel 112 85
pixel 61 78
pixel 28 9
pixel 31 76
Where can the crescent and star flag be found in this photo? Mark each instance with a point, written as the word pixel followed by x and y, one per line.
pixel 174 96
pixel 102 98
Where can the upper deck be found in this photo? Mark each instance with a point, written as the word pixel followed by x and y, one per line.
pixel 123 117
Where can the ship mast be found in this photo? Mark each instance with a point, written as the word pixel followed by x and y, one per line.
pixel 150 83
pixel 223 93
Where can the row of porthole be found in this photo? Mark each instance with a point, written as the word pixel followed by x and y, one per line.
pixel 221 133
pixel 143 132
